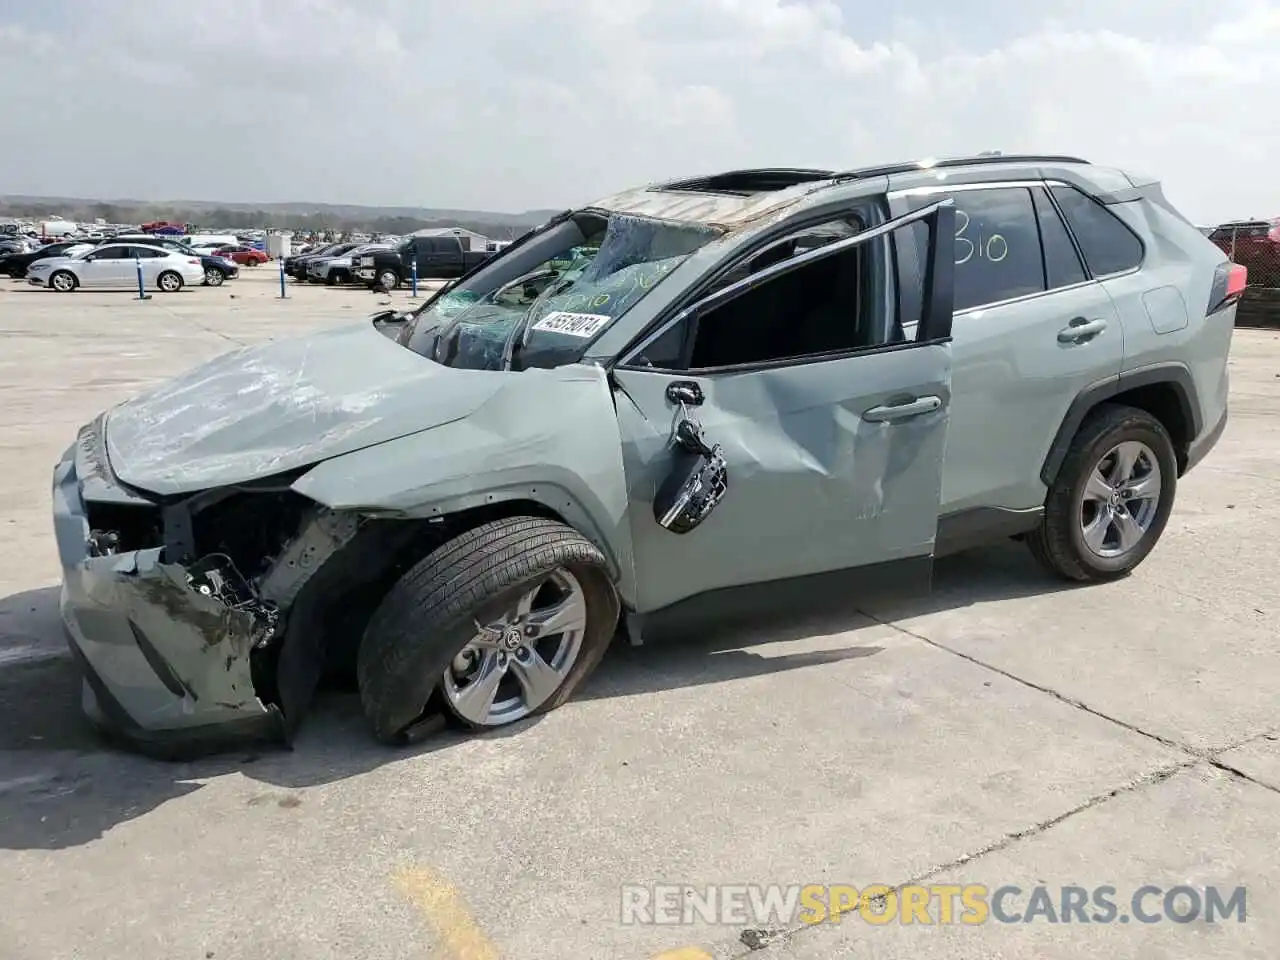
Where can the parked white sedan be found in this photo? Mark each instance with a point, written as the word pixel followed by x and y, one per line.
pixel 115 266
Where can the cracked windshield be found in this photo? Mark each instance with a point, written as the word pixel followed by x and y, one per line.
pixel 534 309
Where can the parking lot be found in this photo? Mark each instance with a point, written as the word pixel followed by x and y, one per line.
pixel 1004 730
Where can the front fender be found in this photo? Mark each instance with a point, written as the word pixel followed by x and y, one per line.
pixel 549 436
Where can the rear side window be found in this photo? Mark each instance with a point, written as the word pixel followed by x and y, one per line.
pixel 1062 266
pixel 997 247
pixel 1107 244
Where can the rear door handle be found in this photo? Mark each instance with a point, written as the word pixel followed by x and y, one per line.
pixel 1080 329
pixel 901 411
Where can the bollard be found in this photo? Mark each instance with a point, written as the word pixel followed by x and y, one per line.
pixel 283 295
pixel 142 290
pixel 413 279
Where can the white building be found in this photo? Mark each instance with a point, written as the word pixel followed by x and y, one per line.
pixel 470 239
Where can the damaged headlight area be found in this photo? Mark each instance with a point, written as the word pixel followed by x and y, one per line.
pixel 210 617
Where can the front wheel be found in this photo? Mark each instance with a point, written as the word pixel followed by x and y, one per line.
pixel 213 277
pixel 505 622
pixel 388 280
pixel 63 281
pixel 1111 499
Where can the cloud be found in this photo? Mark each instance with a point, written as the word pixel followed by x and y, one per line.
pixel 542 103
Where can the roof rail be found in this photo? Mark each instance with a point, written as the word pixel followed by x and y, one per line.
pixel 915 166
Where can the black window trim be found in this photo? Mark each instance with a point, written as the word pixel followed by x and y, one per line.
pixel 693 303
pixel 1142 246
pixel 1071 239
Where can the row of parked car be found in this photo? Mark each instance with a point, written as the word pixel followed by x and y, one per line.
pixel 385 266
pixel 165 263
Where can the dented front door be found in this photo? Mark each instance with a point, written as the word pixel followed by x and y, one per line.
pixel 818 480
pixel 834 462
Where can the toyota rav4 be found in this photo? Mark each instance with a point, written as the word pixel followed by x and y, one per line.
pixel 688 403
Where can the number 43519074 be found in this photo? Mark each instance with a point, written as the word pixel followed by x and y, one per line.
pixel 977 244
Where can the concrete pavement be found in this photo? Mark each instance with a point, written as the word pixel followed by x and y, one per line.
pixel 1003 731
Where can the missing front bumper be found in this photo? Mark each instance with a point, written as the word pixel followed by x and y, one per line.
pixel 166 660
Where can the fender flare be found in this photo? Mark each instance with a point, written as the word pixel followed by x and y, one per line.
pixel 1174 374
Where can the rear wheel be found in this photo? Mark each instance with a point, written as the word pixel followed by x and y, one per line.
pixel 169 282
pixel 63 281
pixel 1111 499
pixel 214 277
pixel 503 622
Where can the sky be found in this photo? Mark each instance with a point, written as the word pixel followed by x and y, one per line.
pixel 511 105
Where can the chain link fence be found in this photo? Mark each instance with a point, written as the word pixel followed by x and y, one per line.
pixel 1255 245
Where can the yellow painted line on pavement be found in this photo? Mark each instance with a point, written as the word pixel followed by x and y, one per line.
pixel 460 937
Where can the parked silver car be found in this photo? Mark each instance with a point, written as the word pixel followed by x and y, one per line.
pixel 335 270
pixel 706 401
pixel 115 266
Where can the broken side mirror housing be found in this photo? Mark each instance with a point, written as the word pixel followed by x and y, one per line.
pixel 697 482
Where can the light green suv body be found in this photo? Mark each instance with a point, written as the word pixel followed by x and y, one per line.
pixel 702 401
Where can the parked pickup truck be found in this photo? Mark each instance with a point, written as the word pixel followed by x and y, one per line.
pixel 437 258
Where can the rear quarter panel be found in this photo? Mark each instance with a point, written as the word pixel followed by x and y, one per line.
pixel 1177 272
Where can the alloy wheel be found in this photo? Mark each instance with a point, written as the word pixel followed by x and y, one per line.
pixel 1121 499
pixel 514 664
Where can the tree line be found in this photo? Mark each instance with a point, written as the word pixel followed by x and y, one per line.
pixel 230 219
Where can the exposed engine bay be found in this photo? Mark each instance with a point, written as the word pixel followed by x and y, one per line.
pixel 238 599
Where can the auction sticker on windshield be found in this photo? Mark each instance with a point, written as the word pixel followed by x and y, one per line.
pixel 573 324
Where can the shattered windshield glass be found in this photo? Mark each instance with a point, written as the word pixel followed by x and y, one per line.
pixel 545 300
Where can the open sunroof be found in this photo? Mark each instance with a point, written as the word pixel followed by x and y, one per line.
pixel 744 183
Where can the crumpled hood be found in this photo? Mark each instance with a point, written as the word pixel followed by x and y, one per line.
pixel 265 410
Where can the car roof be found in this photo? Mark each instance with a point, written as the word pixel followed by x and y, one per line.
pixel 735 199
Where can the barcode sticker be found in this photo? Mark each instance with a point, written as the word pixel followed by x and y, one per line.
pixel 573 324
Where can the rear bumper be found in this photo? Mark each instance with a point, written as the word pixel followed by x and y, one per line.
pixel 1201 446
pixel 166 668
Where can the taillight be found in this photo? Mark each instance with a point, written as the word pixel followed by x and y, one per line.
pixel 1274 234
pixel 194 260
pixel 1229 283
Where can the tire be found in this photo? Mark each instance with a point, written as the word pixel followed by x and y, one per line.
pixel 1061 543
pixel 330 279
pixel 213 277
pixel 388 280
pixel 169 281
pixel 64 281
pixel 427 621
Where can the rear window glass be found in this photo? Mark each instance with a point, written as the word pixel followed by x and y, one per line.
pixel 1107 244
pixel 997 249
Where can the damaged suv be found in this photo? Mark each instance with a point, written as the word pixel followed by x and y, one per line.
pixel 702 400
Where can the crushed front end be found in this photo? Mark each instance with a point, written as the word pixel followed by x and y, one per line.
pixel 177 609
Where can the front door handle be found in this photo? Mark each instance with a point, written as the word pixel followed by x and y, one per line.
pixel 901 411
pixel 1080 329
